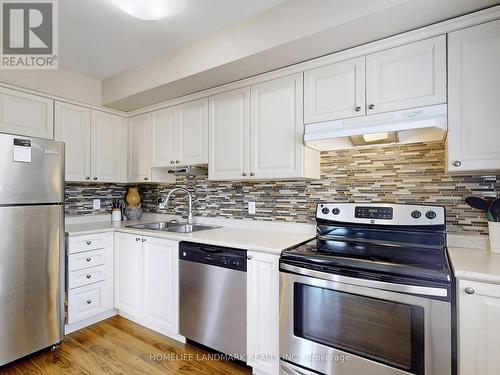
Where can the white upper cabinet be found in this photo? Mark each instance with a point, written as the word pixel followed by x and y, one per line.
pixel 179 135
pixel 277 128
pixel 257 133
pixel 409 76
pixel 139 150
pixel 335 91
pixel 229 135
pixel 474 99
pixel 72 126
pixel 108 147
pixel 478 328
pixel 26 114
pixel 193 133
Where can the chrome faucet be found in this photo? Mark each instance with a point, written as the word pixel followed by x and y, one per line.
pixel 190 219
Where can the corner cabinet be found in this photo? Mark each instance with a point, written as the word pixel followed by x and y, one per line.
pixel 473 99
pixel 147 282
pixel 478 328
pixel 263 313
pixel 26 114
pixel 72 126
pixel 179 135
pixel 257 133
pixel 108 134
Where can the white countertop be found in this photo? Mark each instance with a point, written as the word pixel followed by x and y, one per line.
pixel 244 234
pixel 475 264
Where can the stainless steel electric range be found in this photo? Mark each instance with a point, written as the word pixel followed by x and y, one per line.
pixel 372 294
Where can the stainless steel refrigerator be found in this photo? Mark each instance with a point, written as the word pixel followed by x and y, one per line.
pixel 31 245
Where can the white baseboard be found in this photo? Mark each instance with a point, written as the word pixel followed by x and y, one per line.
pixel 68 328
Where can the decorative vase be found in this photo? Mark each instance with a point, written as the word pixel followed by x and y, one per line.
pixel 494 231
pixel 133 198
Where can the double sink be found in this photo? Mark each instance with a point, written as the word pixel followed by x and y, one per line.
pixel 173 227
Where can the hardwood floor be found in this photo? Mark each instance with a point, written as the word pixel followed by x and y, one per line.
pixel 118 346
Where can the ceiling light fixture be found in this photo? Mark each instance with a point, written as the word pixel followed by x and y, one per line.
pixel 149 10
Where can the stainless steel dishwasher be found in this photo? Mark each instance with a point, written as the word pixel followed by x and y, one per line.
pixel 213 297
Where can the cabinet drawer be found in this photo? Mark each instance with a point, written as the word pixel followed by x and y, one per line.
pixel 89 259
pixel 88 276
pixel 89 242
pixel 90 300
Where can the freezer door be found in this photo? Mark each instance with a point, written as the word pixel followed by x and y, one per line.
pixel 31 170
pixel 31 279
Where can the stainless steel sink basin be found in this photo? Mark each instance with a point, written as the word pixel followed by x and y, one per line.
pixel 173 227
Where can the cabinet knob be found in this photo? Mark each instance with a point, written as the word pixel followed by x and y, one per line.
pixel 89 301
pixel 143 240
pixel 252 174
pixel 470 290
pixel 371 106
pixel 89 259
pixel 89 276
pixel 244 174
pixel 87 178
pixel 457 163
pixel 95 178
pixel 137 239
pixel 145 178
pixel 177 162
pixel 171 162
pixel 357 109
pixel 89 242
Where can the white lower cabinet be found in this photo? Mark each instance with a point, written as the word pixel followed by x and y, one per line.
pixel 89 280
pixel 478 328
pixel 263 313
pixel 147 282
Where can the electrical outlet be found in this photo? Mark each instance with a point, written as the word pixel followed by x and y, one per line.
pixel 97 204
pixel 251 208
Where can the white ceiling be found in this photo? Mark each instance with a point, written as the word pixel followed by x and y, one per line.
pixel 99 40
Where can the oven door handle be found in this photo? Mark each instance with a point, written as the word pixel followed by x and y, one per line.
pixel 393 287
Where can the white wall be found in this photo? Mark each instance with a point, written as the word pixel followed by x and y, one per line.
pixel 58 82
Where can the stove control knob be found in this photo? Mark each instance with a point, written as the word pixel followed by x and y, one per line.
pixel 335 211
pixel 430 215
pixel 416 214
pixel 325 210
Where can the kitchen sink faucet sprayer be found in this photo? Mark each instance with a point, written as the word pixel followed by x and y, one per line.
pixel 190 219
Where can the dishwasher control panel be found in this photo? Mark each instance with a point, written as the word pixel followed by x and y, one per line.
pixel 218 256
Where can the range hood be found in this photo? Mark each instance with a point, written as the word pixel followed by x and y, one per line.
pixel 415 125
pixel 189 171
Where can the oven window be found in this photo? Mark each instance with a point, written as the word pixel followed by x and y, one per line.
pixel 384 331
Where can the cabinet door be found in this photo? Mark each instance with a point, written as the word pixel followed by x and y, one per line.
pixel 409 76
pixel 72 126
pixel 335 91
pixel 161 285
pixel 478 328
pixel 474 97
pixel 139 150
pixel 229 138
pixel 26 114
pixel 193 133
pixel 277 128
pixel 108 147
pixel 128 274
pixel 164 127
pixel 263 312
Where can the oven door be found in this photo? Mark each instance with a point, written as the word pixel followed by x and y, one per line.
pixel 341 325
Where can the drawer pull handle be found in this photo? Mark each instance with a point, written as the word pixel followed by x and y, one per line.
pixel 89 243
pixel 470 290
pixel 89 259
pixel 89 276
pixel 89 301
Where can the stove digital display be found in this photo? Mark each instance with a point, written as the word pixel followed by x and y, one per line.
pixel 381 213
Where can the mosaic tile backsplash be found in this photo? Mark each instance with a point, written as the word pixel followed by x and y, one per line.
pixel 397 174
